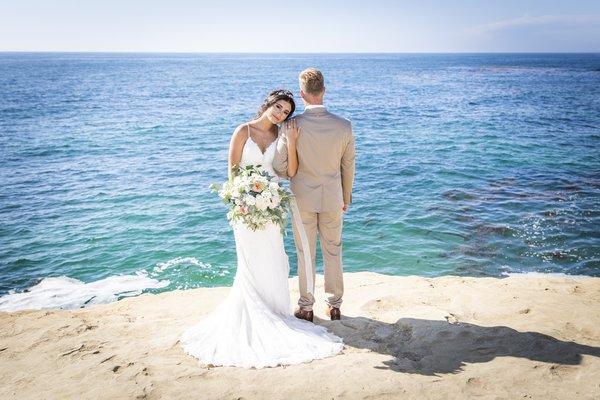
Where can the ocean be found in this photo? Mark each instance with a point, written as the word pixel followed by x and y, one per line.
pixel 467 164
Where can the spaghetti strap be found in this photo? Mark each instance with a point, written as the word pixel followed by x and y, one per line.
pixel 248 125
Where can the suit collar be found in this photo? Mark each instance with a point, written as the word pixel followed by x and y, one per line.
pixel 315 110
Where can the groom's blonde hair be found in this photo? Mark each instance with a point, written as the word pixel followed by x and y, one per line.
pixel 312 81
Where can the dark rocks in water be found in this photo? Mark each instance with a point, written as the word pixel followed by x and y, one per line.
pixel 479 251
pixel 550 213
pixel 491 229
pixel 557 255
pixel 471 269
pixel 457 234
pixel 456 195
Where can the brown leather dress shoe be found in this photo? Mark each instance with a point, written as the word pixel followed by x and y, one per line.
pixel 334 313
pixel 304 314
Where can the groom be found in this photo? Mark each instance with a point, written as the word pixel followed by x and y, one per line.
pixel 322 187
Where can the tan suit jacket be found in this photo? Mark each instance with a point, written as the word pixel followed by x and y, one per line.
pixel 326 162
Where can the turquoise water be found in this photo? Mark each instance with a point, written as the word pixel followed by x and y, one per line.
pixel 467 164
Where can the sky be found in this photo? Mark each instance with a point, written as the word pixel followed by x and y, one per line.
pixel 330 26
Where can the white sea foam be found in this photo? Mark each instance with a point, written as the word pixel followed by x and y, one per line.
pixel 546 275
pixel 68 293
pixel 179 261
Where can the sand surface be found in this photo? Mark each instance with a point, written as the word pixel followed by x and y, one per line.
pixel 522 337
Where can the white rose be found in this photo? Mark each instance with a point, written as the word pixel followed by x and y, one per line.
pixel 275 202
pixel 235 193
pixel 250 200
pixel 261 203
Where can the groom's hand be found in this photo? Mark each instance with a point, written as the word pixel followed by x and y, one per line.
pixel 345 207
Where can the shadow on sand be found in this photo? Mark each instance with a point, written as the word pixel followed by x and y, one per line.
pixel 431 347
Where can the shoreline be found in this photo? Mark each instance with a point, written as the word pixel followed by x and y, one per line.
pixel 67 293
pixel 406 337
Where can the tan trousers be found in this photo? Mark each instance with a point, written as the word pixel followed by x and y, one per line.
pixel 329 227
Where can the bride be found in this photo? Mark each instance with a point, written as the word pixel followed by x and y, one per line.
pixel 254 326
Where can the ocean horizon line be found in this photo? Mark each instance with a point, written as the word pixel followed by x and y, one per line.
pixel 299 53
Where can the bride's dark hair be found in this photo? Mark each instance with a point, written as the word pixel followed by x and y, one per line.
pixel 274 97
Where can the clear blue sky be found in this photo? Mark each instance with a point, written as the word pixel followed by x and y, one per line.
pixel 300 26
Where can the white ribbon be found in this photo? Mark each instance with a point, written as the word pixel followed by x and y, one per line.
pixel 305 247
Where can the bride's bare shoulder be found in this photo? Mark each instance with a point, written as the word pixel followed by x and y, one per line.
pixel 241 131
pixel 241 128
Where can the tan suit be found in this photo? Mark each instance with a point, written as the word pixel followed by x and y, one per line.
pixel 322 185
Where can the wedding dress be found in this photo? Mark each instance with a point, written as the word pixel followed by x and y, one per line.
pixel 254 325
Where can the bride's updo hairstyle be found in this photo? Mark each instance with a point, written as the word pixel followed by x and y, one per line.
pixel 274 97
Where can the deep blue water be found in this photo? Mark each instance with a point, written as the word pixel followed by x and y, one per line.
pixel 469 164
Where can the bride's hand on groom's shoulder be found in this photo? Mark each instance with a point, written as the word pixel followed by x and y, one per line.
pixel 292 131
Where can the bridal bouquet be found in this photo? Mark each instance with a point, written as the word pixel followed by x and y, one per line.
pixel 254 197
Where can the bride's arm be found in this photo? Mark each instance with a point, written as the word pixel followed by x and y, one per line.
pixel 236 145
pixel 292 137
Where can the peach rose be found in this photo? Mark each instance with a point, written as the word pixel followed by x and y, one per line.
pixel 258 187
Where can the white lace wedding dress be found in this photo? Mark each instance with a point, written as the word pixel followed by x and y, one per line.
pixel 254 326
